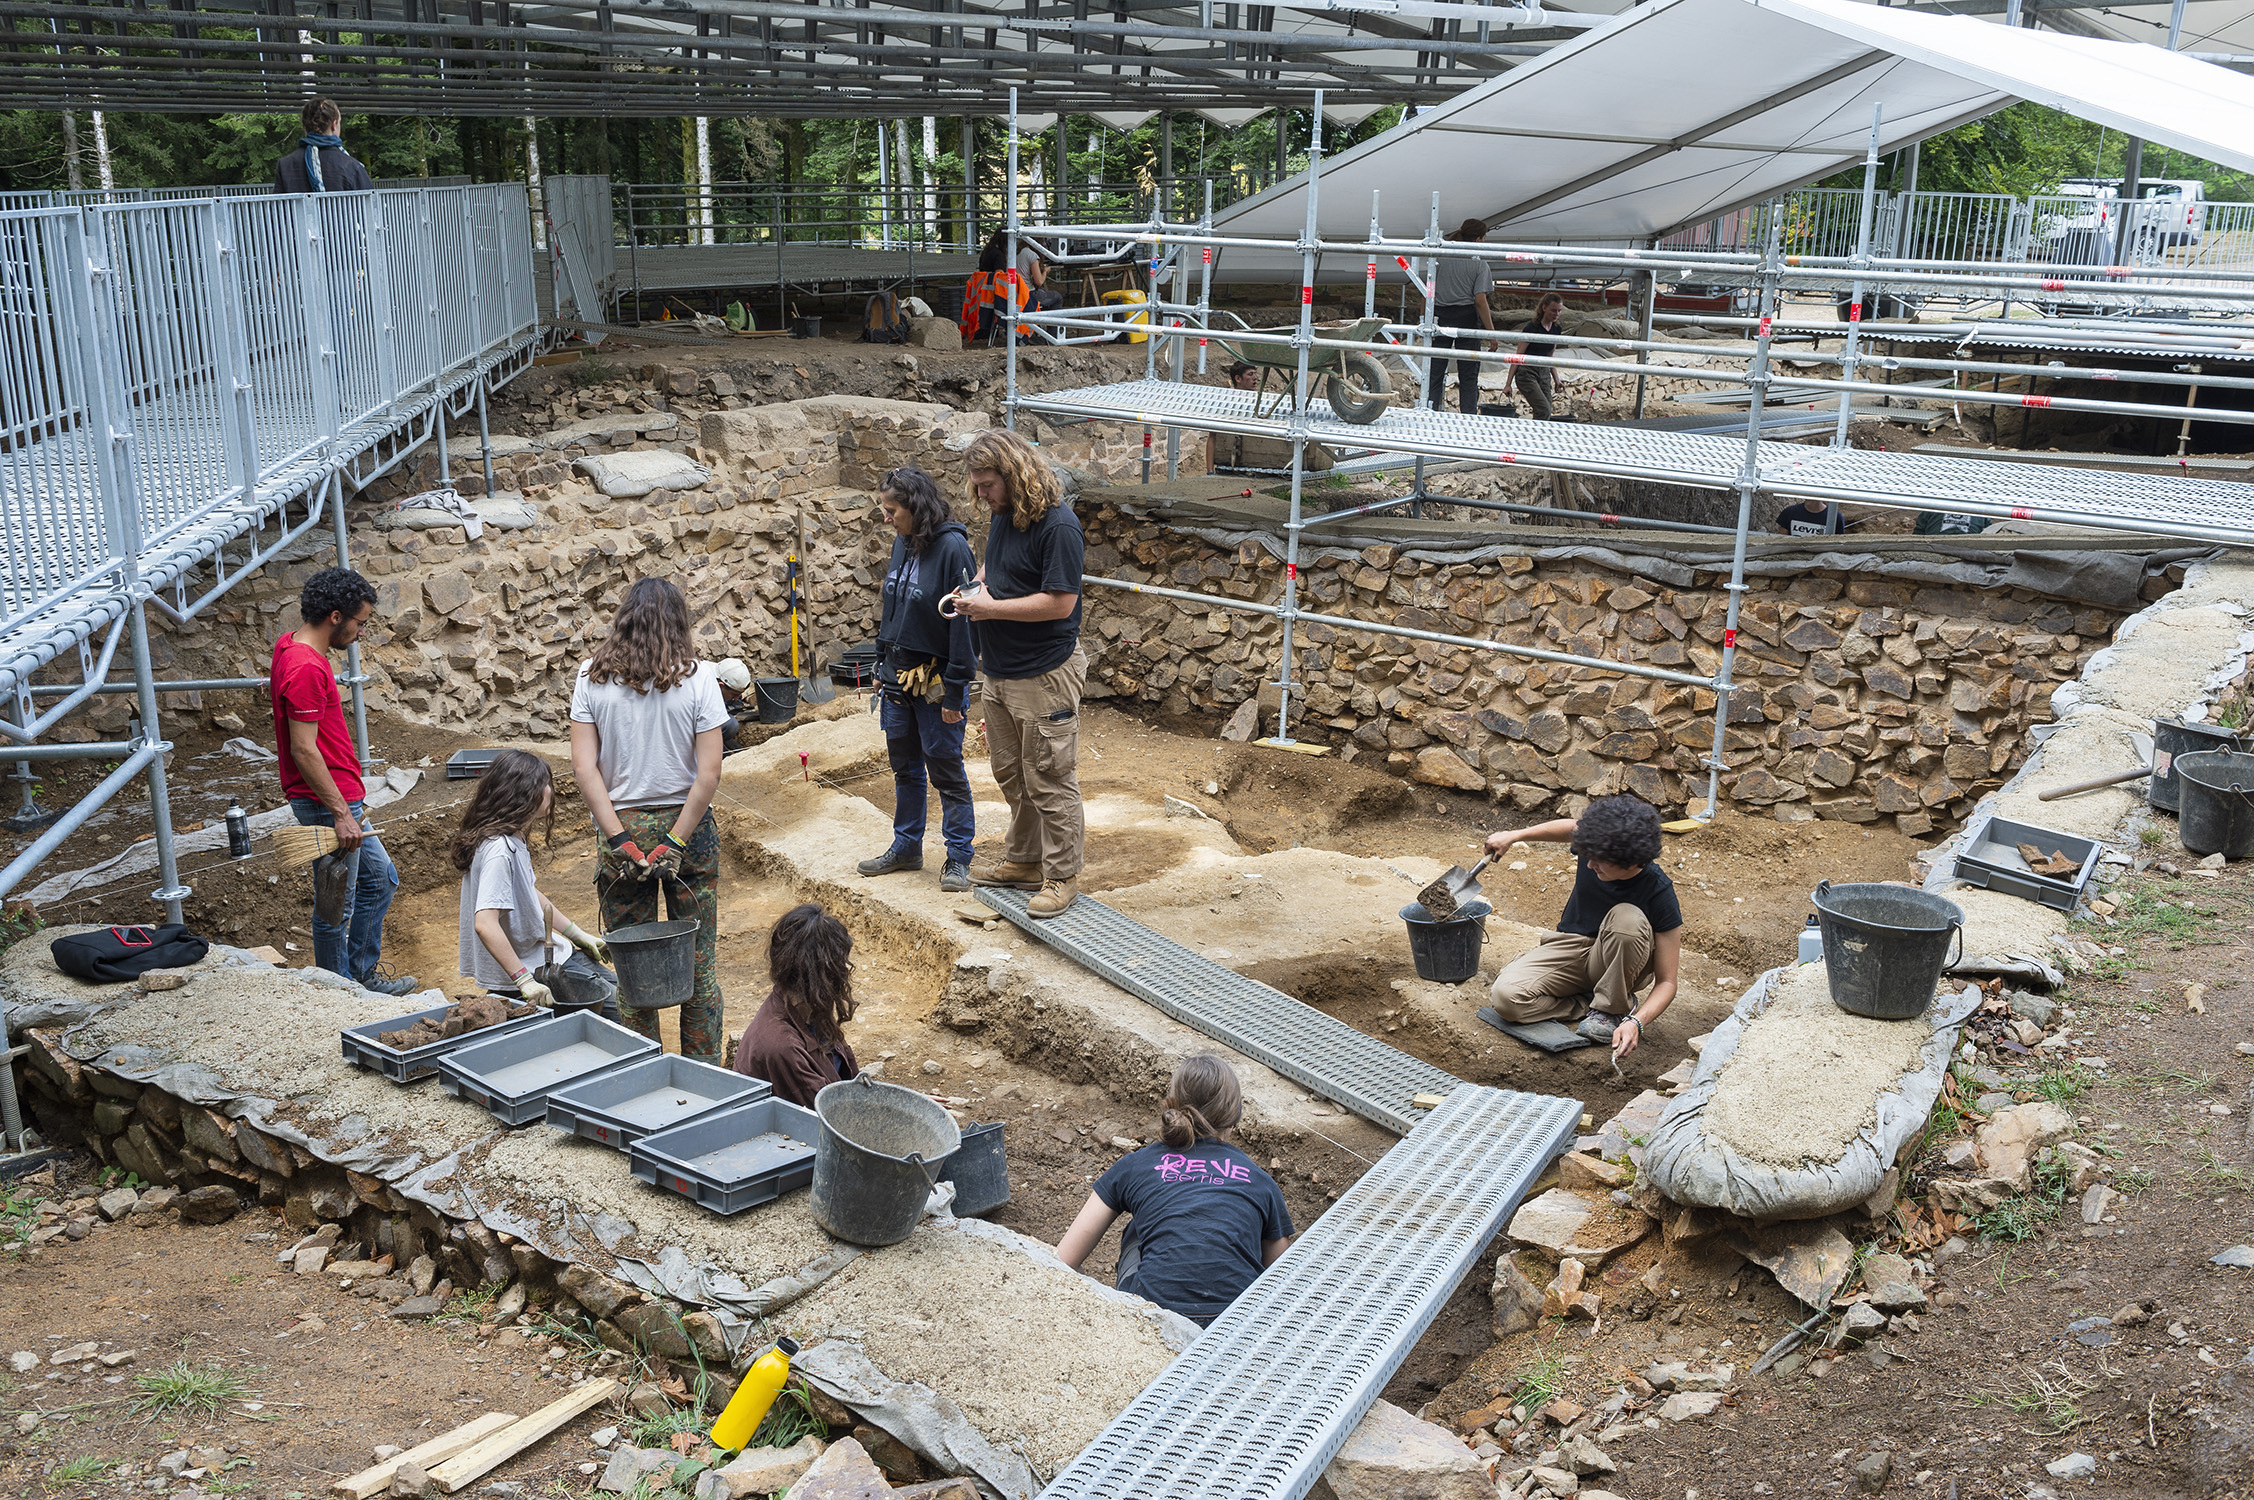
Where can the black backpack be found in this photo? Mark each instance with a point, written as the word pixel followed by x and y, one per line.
pixel 882 322
pixel 112 955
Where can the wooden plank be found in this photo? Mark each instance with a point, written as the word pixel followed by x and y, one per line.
pixel 378 1479
pixel 490 1453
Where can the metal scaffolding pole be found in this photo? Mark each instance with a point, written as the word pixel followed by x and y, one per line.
pixel 1855 293
pixel 353 677
pixel 1304 342
pixel 1009 220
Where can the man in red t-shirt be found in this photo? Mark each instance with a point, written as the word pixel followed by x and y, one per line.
pixel 352 888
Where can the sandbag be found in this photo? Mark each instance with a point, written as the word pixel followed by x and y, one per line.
pixel 1692 1169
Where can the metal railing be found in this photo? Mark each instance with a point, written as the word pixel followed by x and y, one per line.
pixel 938 217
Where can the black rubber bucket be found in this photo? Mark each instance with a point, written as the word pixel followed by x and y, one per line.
pixel 1446 952
pixel 778 698
pixel 1885 946
pixel 882 1147
pixel 575 991
pixel 978 1171
pixel 656 961
pixel 2172 738
pixel 2217 814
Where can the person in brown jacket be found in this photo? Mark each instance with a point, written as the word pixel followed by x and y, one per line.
pixel 796 1041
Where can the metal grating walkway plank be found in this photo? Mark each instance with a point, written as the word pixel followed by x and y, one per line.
pixel 1342 1064
pixel 1257 1407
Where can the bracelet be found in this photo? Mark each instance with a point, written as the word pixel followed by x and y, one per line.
pixel 1624 1020
pixel 518 976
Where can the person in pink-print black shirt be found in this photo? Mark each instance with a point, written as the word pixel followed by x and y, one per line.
pixel 1203 1219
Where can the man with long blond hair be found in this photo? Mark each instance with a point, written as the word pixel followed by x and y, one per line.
pixel 1025 605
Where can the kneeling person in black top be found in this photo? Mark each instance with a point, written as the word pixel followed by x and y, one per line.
pixel 1621 930
pixel 1205 1220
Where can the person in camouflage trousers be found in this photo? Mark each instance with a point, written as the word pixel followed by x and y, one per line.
pixel 627 894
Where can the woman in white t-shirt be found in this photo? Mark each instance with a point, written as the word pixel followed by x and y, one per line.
pixel 509 929
pixel 646 718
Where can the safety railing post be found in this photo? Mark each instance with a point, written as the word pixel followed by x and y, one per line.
pixel 313 294
pixel 231 351
pixel 354 679
pixel 1855 295
pixel 379 302
pixel 1304 341
pixel 1009 283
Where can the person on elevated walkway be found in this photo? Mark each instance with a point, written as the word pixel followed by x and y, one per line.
pixel 1622 929
pixel 318 163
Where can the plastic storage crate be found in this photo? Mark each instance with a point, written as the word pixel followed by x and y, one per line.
pixel 732 1159
pixel 362 1050
pixel 513 1075
pixel 1990 859
pixel 621 1106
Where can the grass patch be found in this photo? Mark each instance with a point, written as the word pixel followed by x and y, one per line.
pixel 2141 914
pixel 18 1215
pixel 2018 1220
pixel 2065 1085
pixel 2133 1179
pixel 2050 1404
pixel 1540 1383
pixel 79 1471
pixel 2219 1176
pixel 789 1419
pixel 182 1387
pixel 657 1431
pixel 473 1303
pixel 2150 836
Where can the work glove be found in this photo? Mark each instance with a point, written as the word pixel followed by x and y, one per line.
pixel 533 992
pixel 665 862
pixel 622 857
pixel 587 943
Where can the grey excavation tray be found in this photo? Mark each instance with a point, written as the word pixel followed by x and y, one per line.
pixel 513 1075
pixel 732 1159
pixel 1990 858
pixel 362 1050
pixel 621 1106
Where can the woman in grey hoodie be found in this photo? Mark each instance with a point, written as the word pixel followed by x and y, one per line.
pixel 925 663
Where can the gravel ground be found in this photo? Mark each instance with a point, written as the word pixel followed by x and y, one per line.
pixel 1996 924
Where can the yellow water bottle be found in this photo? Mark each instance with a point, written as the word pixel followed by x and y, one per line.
pixel 748 1407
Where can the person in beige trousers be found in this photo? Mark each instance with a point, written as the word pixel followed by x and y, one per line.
pixel 1622 929
pixel 1025 612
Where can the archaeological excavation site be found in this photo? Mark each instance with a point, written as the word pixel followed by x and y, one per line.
pixel 904 839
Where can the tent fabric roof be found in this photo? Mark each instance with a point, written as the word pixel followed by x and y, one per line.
pixel 1685 110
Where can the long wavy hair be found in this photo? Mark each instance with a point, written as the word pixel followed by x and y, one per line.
pixel 648 647
pixel 914 492
pixel 507 799
pixel 1204 1101
pixel 809 956
pixel 1032 484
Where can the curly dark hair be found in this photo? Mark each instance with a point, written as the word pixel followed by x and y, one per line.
pixel 334 591
pixel 507 799
pixel 914 491
pixel 648 647
pixel 1622 830
pixel 809 958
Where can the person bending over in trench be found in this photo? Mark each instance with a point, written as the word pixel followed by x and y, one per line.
pixel 796 1041
pixel 1622 929
pixel 1204 1220
pixel 510 930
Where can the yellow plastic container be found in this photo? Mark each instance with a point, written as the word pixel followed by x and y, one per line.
pixel 748 1407
pixel 1142 318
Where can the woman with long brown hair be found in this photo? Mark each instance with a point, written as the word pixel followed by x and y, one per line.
pixel 796 1041
pixel 510 930
pixel 646 718
pixel 1204 1219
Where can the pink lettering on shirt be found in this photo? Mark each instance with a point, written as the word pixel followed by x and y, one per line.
pixel 1175 1167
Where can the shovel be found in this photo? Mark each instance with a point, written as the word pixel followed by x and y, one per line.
pixel 814 685
pixel 1452 889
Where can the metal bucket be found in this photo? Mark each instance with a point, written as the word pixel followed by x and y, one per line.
pixel 1885 946
pixel 1446 952
pixel 881 1150
pixel 979 1172
pixel 2217 816
pixel 657 963
pixel 2171 738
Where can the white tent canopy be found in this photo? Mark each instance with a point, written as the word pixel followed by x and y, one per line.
pixel 1684 110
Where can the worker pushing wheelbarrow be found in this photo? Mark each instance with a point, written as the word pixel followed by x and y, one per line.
pixel 1353 381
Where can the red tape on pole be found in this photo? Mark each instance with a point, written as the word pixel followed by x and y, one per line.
pixel 1729 640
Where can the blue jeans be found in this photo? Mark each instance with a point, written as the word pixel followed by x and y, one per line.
pixel 352 943
pixel 925 748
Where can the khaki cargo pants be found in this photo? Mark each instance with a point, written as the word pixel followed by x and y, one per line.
pixel 1033 745
pixel 1558 980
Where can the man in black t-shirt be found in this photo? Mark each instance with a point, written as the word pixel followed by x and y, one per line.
pixel 1622 929
pixel 1025 613
pixel 1810 518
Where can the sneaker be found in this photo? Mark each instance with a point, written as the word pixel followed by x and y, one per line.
pixel 891 862
pixel 1598 1027
pixel 954 876
pixel 396 985
pixel 1055 898
pixel 1003 873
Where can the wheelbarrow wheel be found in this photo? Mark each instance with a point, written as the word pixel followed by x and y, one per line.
pixel 1362 393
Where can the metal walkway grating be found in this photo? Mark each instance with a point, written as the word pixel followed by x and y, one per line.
pixel 1256 1408
pixel 2158 505
pixel 1338 1062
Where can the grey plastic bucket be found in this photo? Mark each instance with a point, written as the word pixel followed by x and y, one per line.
pixel 881 1149
pixel 778 698
pixel 979 1172
pixel 2173 739
pixel 657 963
pixel 2216 815
pixel 1446 952
pixel 1885 946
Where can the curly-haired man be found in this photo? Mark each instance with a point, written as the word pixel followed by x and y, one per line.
pixel 1025 605
pixel 1622 929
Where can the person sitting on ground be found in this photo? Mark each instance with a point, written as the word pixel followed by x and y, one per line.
pixel 1950 523
pixel 1034 271
pixel 1621 930
pixel 1811 518
pixel 318 163
pixel 796 1040
pixel 1204 1219
pixel 510 930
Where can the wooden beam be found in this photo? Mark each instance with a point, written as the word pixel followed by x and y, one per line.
pixel 375 1481
pixel 490 1453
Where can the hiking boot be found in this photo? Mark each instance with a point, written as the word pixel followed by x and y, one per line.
pixel 1016 877
pixel 1598 1027
pixel 397 985
pixel 954 876
pixel 891 862
pixel 1056 896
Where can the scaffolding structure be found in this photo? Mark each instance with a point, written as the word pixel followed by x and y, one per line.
pixel 2201 510
pixel 190 386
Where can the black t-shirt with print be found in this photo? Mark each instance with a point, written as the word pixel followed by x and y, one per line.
pixel 1201 1220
